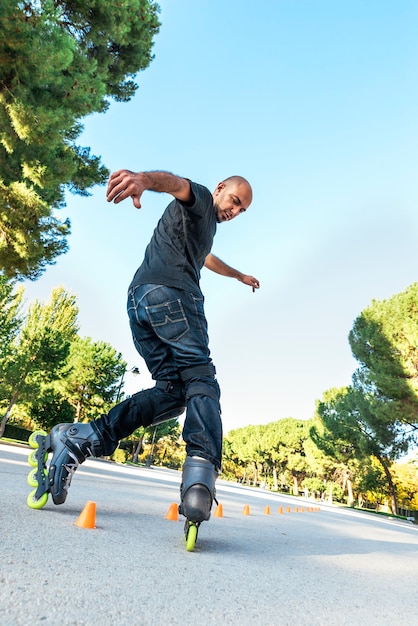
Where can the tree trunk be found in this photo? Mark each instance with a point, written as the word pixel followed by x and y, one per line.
pixel 8 412
pixel 275 482
pixel 330 492
pixel 137 451
pixel 295 485
pixel 392 489
pixel 255 481
pixel 77 412
pixel 350 493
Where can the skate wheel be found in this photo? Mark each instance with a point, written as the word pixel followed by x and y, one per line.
pixel 191 536
pixel 36 504
pixel 31 479
pixel 32 441
pixel 33 461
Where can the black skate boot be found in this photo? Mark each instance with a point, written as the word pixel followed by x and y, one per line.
pixel 197 492
pixel 70 444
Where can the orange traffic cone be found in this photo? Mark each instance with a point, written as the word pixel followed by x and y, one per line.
pixel 173 512
pixel 219 512
pixel 296 509
pixel 280 510
pixel 288 509
pixel 87 517
pixel 267 510
pixel 246 510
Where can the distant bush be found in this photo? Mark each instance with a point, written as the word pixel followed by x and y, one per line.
pixel 16 432
pixel 119 456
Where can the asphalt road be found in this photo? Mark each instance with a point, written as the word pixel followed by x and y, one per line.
pixel 331 567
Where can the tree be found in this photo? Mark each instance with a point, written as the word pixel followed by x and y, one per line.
pixel 277 446
pixel 339 437
pixel 384 340
pixel 10 317
pixel 351 418
pixel 50 408
pixel 290 448
pixel 245 446
pixel 91 378
pixel 39 352
pixel 60 61
pixel 383 400
pixel 406 480
pixel 167 448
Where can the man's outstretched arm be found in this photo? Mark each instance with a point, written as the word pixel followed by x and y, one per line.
pixel 215 264
pixel 126 184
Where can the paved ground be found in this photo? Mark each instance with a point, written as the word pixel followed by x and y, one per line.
pixel 328 568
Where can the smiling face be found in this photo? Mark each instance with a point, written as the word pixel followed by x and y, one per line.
pixel 232 197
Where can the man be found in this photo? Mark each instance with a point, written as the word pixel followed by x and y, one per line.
pixel 169 329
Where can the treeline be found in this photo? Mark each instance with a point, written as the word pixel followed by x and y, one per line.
pixel 301 458
pixel 358 432
pixel 48 373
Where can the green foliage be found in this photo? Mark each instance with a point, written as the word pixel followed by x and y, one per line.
pixel 11 321
pixel 406 481
pixel 17 432
pixel 275 447
pixel 119 456
pixel 51 408
pixel 376 417
pixel 164 446
pixel 59 61
pixel 384 340
pixel 91 376
pixel 38 354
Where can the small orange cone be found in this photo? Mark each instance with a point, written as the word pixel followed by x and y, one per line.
pixel 246 510
pixel 219 512
pixel 280 510
pixel 288 509
pixel 87 517
pixel 296 509
pixel 173 512
pixel 267 510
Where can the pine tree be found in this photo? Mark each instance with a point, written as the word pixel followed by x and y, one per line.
pixel 59 62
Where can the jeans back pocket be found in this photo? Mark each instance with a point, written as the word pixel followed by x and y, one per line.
pixel 168 320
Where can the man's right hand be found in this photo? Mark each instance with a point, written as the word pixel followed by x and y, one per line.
pixel 124 184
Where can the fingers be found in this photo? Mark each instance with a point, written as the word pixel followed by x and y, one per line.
pixel 122 185
pixel 254 283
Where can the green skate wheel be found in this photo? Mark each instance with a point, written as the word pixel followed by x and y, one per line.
pixel 36 504
pixel 32 439
pixel 31 479
pixel 191 537
pixel 33 461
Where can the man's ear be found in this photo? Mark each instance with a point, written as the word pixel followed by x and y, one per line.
pixel 219 188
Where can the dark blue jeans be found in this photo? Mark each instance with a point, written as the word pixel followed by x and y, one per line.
pixel 169 330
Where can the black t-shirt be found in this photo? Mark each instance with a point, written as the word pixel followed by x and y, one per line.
pixel 180 244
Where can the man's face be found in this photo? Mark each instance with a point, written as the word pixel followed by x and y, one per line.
pixel 230 199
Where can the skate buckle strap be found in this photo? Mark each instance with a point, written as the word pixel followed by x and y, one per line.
pixel 80 455
pixel 197 371
pixel 165 385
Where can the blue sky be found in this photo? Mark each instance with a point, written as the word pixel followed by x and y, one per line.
pixel 315 103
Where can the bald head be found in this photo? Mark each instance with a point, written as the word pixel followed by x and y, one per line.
pixel 231 197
